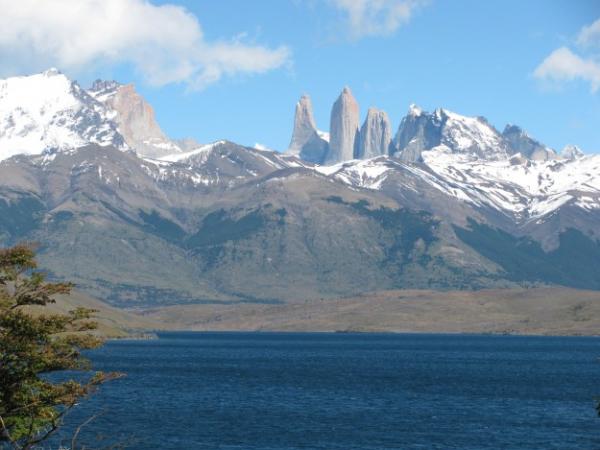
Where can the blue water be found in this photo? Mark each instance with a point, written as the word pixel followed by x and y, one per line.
pixel 349 391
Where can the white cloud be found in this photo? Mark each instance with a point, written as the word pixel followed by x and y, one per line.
pixel 589 35
pixel 564 65
pixel 376 17
pixel 165 44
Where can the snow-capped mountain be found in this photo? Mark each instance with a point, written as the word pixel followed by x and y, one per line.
pixel 222 164
pixel 462 157
pixel 522 190
pixel 472 137
pixel 449 202
pixel 47 112
pixel 470 161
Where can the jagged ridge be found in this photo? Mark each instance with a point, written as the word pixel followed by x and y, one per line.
pixel 449 202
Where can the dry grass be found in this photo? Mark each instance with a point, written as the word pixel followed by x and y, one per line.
pixel 112 322
pixel 542 311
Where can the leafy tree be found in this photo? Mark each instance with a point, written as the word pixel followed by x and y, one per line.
pixel 34 345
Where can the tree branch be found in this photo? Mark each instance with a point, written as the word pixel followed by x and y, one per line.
pixel 6 434
pixel 80 427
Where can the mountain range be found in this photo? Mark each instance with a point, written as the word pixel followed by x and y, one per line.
pixel 140 219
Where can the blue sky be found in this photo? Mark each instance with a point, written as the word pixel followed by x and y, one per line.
pixel 257 58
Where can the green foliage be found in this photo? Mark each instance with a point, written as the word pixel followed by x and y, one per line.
pixel 34 345
pixel 19 217
pixel 407 227
pixel 156 224
pixel 575 262
pixel 219 227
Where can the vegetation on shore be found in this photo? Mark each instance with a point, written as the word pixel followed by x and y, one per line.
pixel 33 347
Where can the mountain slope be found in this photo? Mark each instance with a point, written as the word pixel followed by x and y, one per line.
pixel 455 207
pixel 538 198
pixel 103 213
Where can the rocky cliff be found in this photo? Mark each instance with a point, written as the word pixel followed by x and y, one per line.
pixel 307 143
pixel 343 129
pixel 375 135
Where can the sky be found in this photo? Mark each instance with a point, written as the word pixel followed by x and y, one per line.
pixel 234 69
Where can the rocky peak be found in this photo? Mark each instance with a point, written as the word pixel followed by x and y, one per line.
pixel 343 128
pixel 102 88
pixel 414 110
pixel 516 130
pixel 307 143
pixel 51 72
pixel 519 141
pixel 473 137
pixel 418 131
pixel 571 152
pixel 304 125
pixel 304 112
pixel 104 85
pixel 49 112
pixel 135 118
pixel 375 135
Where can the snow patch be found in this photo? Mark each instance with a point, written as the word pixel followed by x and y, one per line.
pixel 204 151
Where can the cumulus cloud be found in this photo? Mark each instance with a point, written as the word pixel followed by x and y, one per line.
pixel 376 17
pixel 165 43
pixel 563 64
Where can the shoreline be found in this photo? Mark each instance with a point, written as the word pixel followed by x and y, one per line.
pixel 156 335
pixel 529 312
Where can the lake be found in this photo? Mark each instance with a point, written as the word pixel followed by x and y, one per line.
pixel 348 391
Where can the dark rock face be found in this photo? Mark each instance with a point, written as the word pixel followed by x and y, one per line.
pixel 418 131
pixel 520 142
